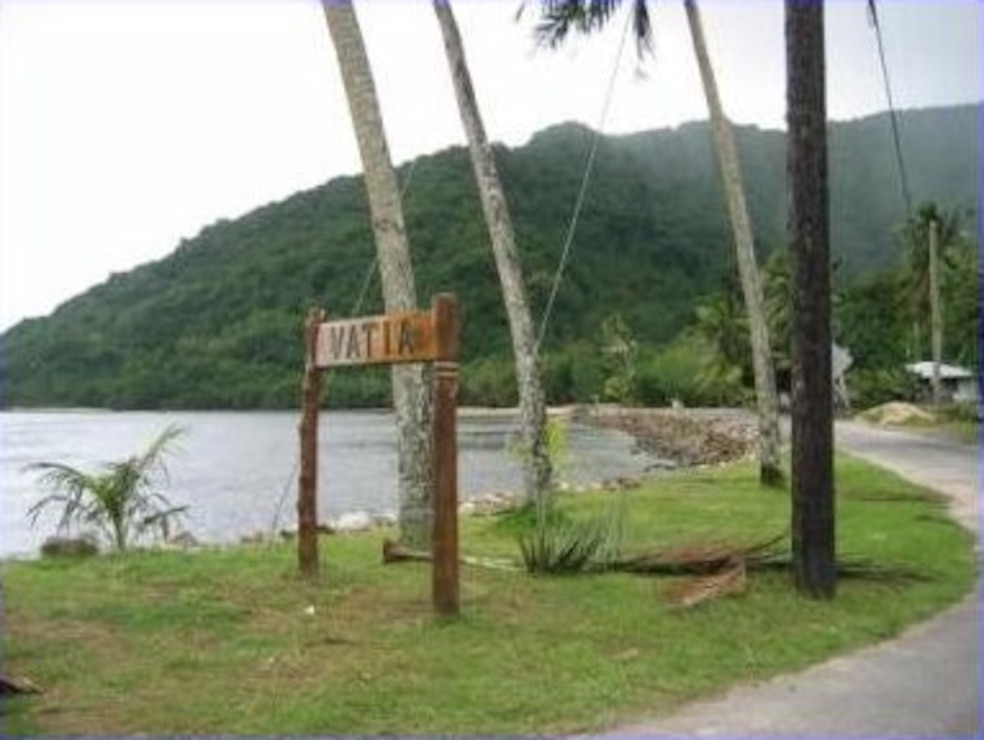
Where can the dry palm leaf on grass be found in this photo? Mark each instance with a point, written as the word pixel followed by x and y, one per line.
pixel 688 592
pixel 10 686
pixel 700 559
pixel 715 570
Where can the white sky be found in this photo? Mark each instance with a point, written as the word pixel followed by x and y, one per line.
pixel 126 125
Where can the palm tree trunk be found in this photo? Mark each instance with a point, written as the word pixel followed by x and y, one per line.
pixel 809 227
pixel 119 532
pixel 532 408
pixel 411 394
pixel 935 309
pixel 770 470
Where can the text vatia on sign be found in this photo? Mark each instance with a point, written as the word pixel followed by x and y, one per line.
pixel 388 339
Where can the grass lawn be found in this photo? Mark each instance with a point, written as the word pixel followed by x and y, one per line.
pixel 223 641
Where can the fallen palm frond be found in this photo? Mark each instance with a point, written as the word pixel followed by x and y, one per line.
pixel 21 685
pixel 693 591
pixel 699 559
pixel 871 571
pixel 393 552
pixel 851 567
pixel 717 569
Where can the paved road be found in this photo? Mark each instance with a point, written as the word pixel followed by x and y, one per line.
pixel 924 683
pixel 943 464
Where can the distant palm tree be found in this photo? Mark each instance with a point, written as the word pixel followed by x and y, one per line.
pixel 120 502
pixel 558 18
pixel 532 407
pixel 720 321
pixel 931 234
pixel 776 290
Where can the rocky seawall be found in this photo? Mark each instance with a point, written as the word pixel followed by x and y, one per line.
pixel 683 437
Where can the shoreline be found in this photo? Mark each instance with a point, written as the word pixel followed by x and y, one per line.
pixel 672 438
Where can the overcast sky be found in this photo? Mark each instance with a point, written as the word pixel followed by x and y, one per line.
pixel 127 125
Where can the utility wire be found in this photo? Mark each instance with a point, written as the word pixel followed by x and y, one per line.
pixel 893 114
pixel 579 202
pixel 371 272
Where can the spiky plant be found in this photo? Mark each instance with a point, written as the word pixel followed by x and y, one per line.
pixel 562 548
pixel 120 502
pixel 556 545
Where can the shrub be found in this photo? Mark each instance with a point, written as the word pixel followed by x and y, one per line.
pixel 119 502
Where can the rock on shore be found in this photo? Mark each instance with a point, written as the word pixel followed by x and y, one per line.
pixel 688 437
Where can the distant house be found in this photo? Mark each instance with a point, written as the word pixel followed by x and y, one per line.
pixel 958 383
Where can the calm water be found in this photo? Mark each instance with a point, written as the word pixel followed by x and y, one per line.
pixel 236 470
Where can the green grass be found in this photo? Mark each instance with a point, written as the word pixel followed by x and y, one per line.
pixel 219 641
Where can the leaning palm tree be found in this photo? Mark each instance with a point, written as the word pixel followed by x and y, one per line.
pixel 120 502
pixel 532 408
pixel 411 396
pixel 559 17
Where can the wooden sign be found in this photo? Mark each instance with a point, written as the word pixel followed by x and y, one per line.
pixel 374 340
pixel 411 336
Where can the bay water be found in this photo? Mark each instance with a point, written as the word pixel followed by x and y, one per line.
pixel 237 471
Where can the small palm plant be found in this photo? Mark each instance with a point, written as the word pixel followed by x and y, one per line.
pixel 120 502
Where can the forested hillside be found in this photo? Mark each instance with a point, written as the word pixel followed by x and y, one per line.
pixel 217 322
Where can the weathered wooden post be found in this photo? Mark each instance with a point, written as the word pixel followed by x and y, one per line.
pixel 444 310
pixel 307 486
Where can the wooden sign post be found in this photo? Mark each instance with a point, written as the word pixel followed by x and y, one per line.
pixel 445 445
pixel 389 339
pixel 307 484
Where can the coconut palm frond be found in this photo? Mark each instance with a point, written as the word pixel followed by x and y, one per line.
pixel 915 237
pixel 642 28
pixel 730 579
pixel 68 503
pixel 70 486
pixel 701 559
pixel 61 476
pixel 162 520
pixel 558 18
pixel 153 459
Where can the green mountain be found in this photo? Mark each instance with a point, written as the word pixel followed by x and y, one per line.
pixel 217 322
